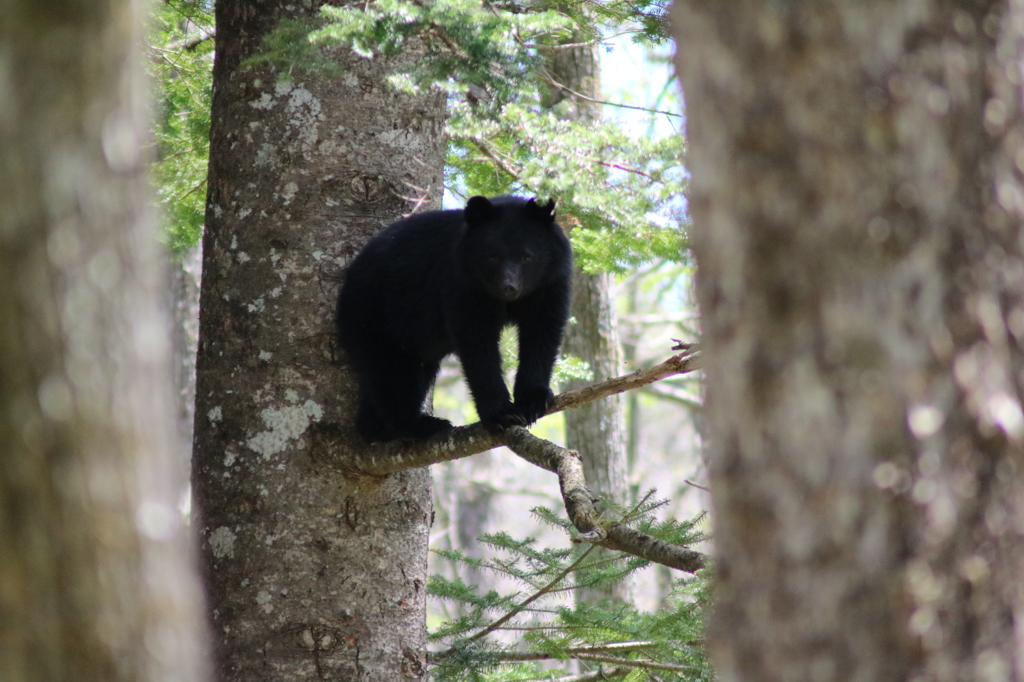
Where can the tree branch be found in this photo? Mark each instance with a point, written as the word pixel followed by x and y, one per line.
pixel 341 451
pixel 601 654
pixel 682 363
pixel 552 81
pixel 598 675
pixel 579 505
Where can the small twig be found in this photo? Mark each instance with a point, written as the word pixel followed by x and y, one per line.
pixel 627 169
pixel 599 40
pixel 552 81
pixel 486 151
pixel 573 651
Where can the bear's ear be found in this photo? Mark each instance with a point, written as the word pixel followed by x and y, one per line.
pixel 544 213
pixel 479 210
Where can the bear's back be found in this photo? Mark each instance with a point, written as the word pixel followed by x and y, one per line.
pixel 396 283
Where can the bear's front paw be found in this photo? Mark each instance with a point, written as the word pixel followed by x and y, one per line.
pixel 532 404
pixel 507 415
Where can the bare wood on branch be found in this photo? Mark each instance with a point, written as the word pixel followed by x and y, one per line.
pixel 341 452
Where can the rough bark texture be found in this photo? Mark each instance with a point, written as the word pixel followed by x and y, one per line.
pixel 857 228
pixel 96 580
pixel 311 574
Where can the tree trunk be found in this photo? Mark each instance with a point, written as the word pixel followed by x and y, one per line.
pixel 183 301
pixel 311 574
pixel 597 429
pixel 97 581
pixel 857 229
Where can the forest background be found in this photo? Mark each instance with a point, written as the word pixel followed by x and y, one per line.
pixel 853 174
pixel 490 492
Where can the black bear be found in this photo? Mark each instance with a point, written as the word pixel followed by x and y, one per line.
pixel 445 282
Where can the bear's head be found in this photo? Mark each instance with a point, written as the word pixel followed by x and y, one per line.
pixel 510 246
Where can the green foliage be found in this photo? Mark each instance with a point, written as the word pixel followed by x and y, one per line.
pixel 459 44
pixel 180 61
pixel 567 367
pixel 621 195
pixel 619 191
pixel 519 635
pixel 570 367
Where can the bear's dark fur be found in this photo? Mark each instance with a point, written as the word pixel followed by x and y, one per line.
pixel 446 282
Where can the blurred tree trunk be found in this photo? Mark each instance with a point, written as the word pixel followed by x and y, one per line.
pixel 465 498
pixel 597 429
pixel 183 300
pixel 857 209
pixel 311 574
pixel 96 575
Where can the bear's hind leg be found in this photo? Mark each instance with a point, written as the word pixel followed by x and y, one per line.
pixel 393 396
pixel 426 424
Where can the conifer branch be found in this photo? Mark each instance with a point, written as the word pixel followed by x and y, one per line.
pixel 598 675
pixel 596 654
pixel 579 505
pixel 614 647
pixel 551 585
pixel 648 665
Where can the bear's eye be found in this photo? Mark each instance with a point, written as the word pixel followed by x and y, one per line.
pixel 527 257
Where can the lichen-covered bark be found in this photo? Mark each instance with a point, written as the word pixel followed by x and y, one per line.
pixel 97 581
pixel 857 228
pixel 311 574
